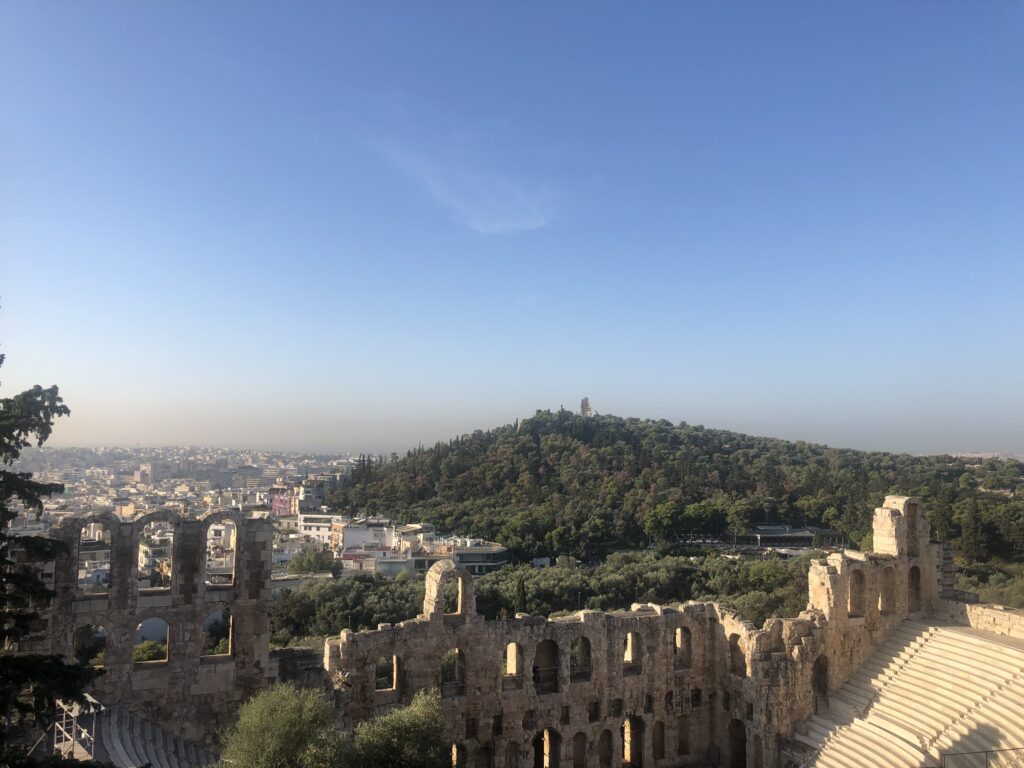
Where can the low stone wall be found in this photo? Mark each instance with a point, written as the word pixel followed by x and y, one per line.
pixel 1008 622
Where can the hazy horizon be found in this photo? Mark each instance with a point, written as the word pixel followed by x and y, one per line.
pixel 355 227
pixel 340 447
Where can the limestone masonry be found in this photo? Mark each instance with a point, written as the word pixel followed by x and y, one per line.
pixel 658 685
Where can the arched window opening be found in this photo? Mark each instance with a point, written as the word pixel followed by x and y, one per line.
pixel 887 596
pixel 546 749
pixel 453 673
pixel 682 648
pixel 545 667
pixel 217 633
pixel 458 756
pixel 221 544
pixel 857 601
pixel 737 745
pixel 631 661
pixel 156 550
pixel 94 559
pixel 604 749
pixel 914 589
pixel 151 641
pixel 513 660
pixel 579 750
pixel 737 659
pixel 632 731
pixel 90 645
pixel 579 660
pixel 682 736
pixel 819 682
pixel 670 701
pixel 385 674
pixel 658 740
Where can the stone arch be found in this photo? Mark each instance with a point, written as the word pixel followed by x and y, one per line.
pixel 579 750
pixel 632 731
pixel 604 749
pixel 857 599
pixel 658 740
pixel 914 589
pixel 579 659
pixel 737 744
pixel 682 647
pixel 216 633
pixel 737 659
pixel 222 516
pixel 547 747
pixel 73 525
pixel 164 515
pixel 152 641
pixel 453 673
pixel 546 667
pixel 438 577
pixel 819 684
pixel 887 594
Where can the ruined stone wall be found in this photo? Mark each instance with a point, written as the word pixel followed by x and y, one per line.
pixel 678 685
pixel 189 694
pixel 1008 622
pixel 693 685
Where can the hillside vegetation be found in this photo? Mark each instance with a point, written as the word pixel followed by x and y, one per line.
pixel 756 588
pixel 558 483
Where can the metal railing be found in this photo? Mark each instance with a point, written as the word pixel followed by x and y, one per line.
pixel 631 668
pixel 579 672
pixel 1011 757
pixel 545 679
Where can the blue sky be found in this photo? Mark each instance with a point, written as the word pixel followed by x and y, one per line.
pixel 365 226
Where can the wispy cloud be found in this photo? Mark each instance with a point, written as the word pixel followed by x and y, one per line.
pixel 486 200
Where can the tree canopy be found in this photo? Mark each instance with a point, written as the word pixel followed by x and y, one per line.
pixel 559 483
pixel 289 727
pixel 31 682
pixel 756 588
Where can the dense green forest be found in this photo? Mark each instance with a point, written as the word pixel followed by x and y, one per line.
pixel 559 483
pixel 756 588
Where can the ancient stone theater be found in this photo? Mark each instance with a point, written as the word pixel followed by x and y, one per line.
pixel 888 666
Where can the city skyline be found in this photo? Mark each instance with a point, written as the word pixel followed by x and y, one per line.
pixel 350 229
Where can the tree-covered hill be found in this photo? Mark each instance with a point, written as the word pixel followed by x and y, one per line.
pixel 560 483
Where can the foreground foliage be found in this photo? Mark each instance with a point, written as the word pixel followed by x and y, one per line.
pixel 289 727
pixel 996 582
pixel 29 683
pixel 559 483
